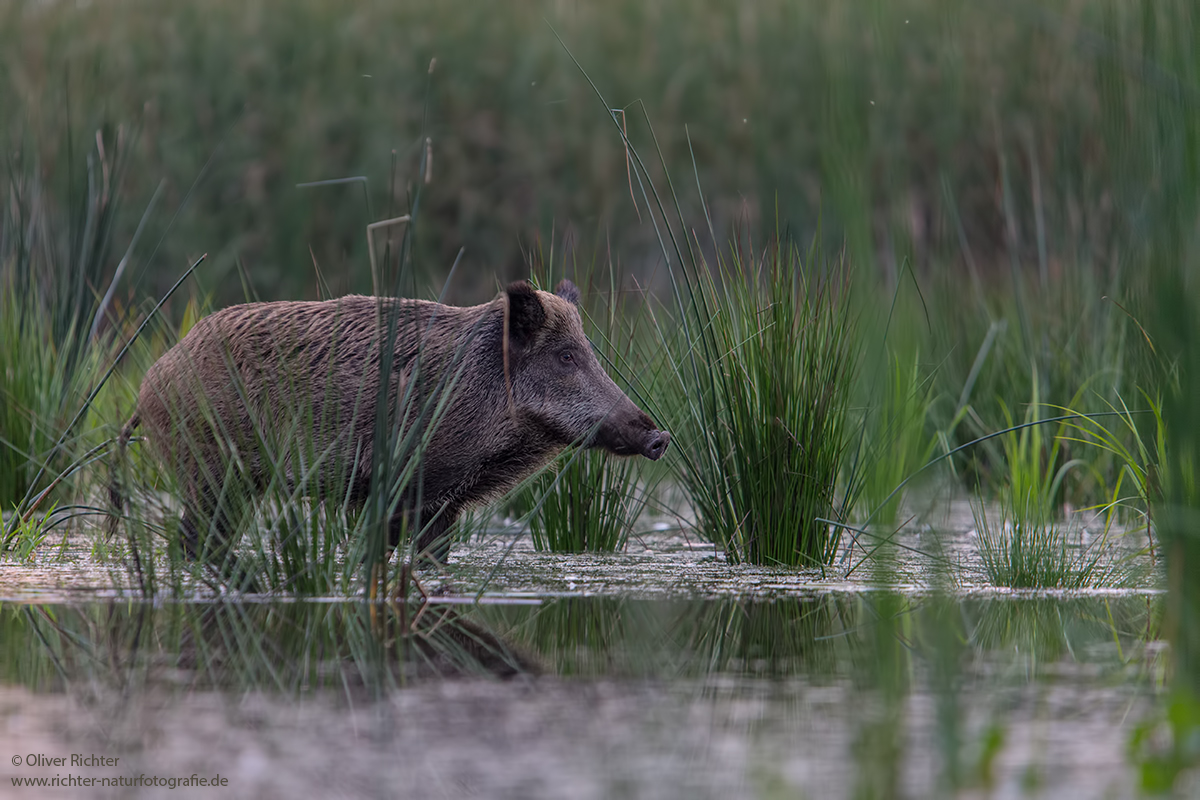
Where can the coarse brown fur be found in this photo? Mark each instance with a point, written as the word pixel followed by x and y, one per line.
pixel 492 392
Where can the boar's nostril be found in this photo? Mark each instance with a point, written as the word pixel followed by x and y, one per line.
pixel 656 445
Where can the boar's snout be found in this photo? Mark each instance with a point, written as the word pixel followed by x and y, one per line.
pixel 656 445
pixel 637 436
pixel 631 432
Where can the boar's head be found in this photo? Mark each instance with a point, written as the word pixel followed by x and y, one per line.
pixel 557 383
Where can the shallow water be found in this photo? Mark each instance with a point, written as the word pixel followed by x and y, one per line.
pixel 836 695
pixel 935 551
pixel 660 672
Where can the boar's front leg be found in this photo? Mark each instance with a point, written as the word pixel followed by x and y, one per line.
pixel 434 539
pixel 207 529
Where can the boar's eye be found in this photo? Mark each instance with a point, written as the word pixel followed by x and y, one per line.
pixel 566 358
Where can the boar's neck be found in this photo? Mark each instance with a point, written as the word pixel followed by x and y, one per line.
pixel 481 445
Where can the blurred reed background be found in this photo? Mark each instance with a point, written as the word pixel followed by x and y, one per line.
pixel 985 143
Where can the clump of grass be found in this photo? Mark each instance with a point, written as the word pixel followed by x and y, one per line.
pixel 588 504
pixel 31 391
pixel 763 373
pixel 20 538
pixel 1135 488
pixel 51 265
pixel 761 366
pixel 998 347
pixel 54 344
pixel 1024 548
pixel 1031 462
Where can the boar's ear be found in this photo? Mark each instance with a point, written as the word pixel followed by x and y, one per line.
pixel 525 313
pixel 568 291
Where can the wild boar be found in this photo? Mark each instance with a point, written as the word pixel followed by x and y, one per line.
pixel 493 392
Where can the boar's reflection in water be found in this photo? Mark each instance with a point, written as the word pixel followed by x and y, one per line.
pixel 494 392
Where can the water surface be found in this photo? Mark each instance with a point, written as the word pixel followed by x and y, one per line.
pixel 842 694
